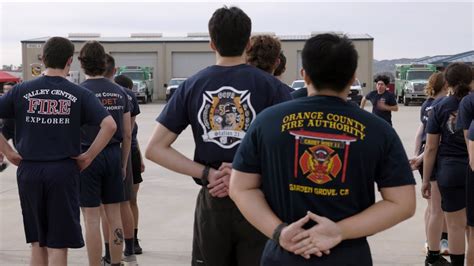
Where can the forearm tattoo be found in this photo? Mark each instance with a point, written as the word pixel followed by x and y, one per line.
pixel 118 234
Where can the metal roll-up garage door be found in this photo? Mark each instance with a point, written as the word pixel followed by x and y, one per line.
pixel 299 65
pixel 186 64
pixel 140 59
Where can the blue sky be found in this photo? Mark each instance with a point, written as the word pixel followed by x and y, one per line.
pixel 400 29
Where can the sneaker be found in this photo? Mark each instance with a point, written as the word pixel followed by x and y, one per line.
pixel 443 247
pixel 129 260
pixel 440 262
pixel 105 261
pixel 138 249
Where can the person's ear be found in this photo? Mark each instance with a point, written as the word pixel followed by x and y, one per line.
pixel 212 45
pixel 69 61
pixel 306 77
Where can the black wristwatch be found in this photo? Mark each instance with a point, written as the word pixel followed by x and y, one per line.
pixel 205 174
pixel 277 232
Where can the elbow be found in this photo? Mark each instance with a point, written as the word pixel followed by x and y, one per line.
pixel 471 164
pixel 112 127
pixel 410 205
pixel 152 153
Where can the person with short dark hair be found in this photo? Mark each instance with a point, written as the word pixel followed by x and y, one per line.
pixel 446 148
pixel 138 167
pixel 383 101
pixel 219 102
pixel 304 174
pixel 281 68
pixel 49 112
pixel 102 181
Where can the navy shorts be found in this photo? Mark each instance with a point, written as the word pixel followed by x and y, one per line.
pixel 348 253
pixel 49 198
pixel 136 165
pixel 451 178
pixel 470 196
pixel 102 181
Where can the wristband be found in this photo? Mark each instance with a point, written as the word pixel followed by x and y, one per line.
pixel 277 232
pixel 205 174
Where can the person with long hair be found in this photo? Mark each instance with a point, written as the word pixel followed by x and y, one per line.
pixel 445 147
pixel 436 90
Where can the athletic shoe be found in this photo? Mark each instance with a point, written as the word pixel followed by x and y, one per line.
pixel 3 166
pixel 104 261
pixel 440 262
pixel 129 260
pixel 138 249
pixel 444 248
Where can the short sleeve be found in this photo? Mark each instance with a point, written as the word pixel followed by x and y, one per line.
pixel 135 107
pixel 127 107
pixel 370 95
pixel 465 113
pixel 282 95
pixel 7 108
pixel 394 169
pixel 470 135
pixel 92 111
pixel 391 100
pixel 433 126
pixel 175 114
pixel 247 158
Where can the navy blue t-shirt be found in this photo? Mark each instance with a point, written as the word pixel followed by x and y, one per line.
pixel 303 92
pixel 443 122
pixel 114 99
pixel 466 112
pixel 322 154
pixel 425 110
pixel 134 111
pixel 389 98
pixel 220 103
pixel 48 113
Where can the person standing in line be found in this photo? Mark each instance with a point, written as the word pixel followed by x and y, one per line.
pixel 383 101
pixel 48 113
pixel 338 152
pixel 125 209
pixel 445 146
pixel 102 181
pixel 264 53
pixel 435 224
pixel 465 122
pixel 221 235
pixel 138 167
pixel 281 68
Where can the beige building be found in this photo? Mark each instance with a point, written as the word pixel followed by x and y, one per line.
pixel 177 57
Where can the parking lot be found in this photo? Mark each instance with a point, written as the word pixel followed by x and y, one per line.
pixel 167 200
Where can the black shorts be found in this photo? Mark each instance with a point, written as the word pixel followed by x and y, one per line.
pixel 470 196
pixel 128 181
pixel 451 171
pixel 136 165
pixel 348 253
pixel 102 181
pixel 222 236
pixel 49 198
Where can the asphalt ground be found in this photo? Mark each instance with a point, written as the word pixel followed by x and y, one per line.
pixel 167 201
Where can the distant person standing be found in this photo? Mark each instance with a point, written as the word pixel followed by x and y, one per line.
pixel 138 167
pixel 49 112
pixel 102 181
pixel 446 147
pixel 383 101
pixel 281 68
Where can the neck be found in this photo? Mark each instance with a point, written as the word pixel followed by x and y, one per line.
pixel 229 60
pixel 54 72
pixel 94 77
pixel 327 92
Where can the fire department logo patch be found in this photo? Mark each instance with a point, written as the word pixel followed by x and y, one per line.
pixel 321 164
pixel 225 116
